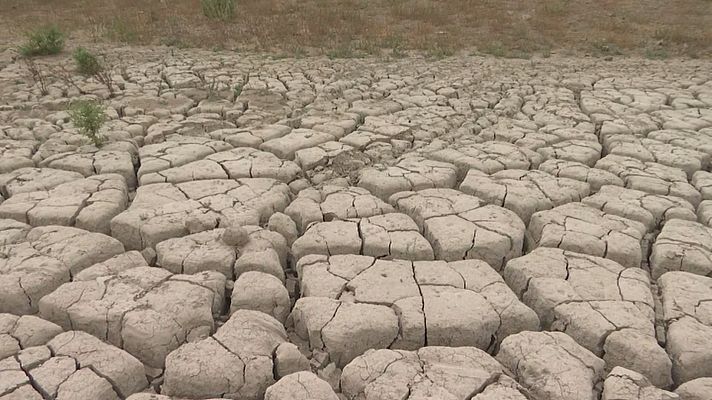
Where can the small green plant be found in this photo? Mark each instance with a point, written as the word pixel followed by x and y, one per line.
pixel 499 50
pixel 605 48
pixel 495 48
pixel 212 89
pixel 44 41
pixel 397 46
pixel 439 51
pixel 239 86
pixel 237 90
pixel 343 50
pixel 219 9
pixel 656 54
pixel 88 117
pixel 89 65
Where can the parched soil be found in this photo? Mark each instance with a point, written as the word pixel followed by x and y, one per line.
pixel 254 227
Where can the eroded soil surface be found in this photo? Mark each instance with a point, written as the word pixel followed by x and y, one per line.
pixel 470 228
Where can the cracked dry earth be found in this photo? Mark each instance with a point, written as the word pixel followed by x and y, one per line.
pixel 470 228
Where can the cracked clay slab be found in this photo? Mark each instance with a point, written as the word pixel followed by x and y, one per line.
pixel 682 246
pixel 552 366
pixel 524 192
pixel 687 314
pixel 72 365
pixel 351 303
pixel 390 236
pixel 460 226
pixel 146 311
pixel 88 203
pixel 433 372
pixel 236 362
pixel 159 211
pixel 605 307
pixel 582 228
pixel 36 261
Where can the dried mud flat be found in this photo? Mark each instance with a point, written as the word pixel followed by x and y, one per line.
pixel 256 228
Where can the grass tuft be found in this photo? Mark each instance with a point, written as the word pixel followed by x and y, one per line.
pixel 219 9
pixel 87 63
pixel 344 50
pixel 498 49
pixel 606 48
pixel 656 54
pixel 43 41
pixel 438 51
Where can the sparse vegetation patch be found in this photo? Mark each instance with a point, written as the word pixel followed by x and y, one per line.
pixel 44 41
pixel 298 27
pixel 658 53
pixel 218 9
pixel 606 48
pixel 88 117
pixel 90 65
